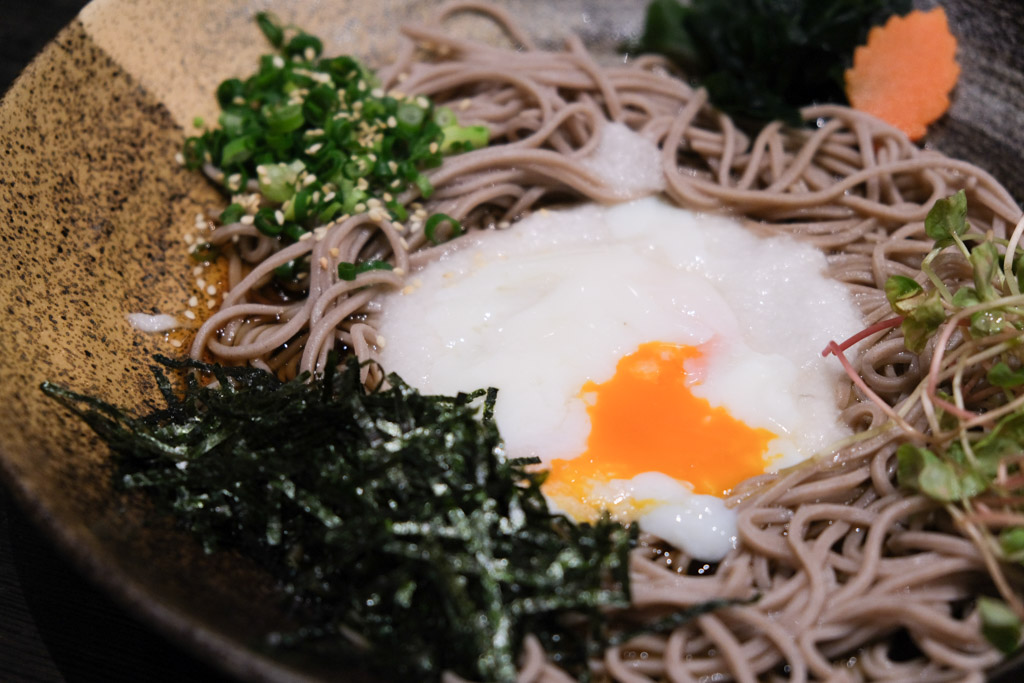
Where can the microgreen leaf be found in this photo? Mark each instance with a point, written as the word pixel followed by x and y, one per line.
pixel 987 267
pixel 966 297
pixel 999 624
pixel 946 218
pixel 1001 375
pixel 922 321
pixel 1011 541
pixel 985 323
pixel 921 469
pixel 903 293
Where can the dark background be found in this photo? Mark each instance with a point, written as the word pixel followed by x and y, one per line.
pixel 54 626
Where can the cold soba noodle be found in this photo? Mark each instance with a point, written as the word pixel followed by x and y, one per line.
pixel 841 558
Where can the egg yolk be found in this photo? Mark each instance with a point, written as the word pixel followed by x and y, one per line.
pixel 645 419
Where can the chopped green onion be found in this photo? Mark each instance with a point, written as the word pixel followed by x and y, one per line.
pixel 285 118
pixel 321 139
pixel 348 271
pixel 464 138
pixel 266 222
pixel 271 28
pixel 232 214
pixel 237 151
pixel 410 118
pixel 430 228
pixel 293 231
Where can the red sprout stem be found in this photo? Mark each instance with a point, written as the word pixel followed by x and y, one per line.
pixel 863 334
pixel 835 349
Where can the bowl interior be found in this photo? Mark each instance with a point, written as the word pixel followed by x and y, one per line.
pixel 93 213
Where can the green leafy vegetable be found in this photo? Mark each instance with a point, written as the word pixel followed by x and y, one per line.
pixel 430 227
pixel 999 623
pixel 947 219
pixel 387 513
pixel 764 59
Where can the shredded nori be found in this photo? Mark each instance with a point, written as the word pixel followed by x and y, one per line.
pixel 388 514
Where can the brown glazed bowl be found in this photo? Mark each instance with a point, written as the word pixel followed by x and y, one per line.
pixel 93 211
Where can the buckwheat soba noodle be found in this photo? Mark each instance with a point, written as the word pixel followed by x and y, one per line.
pixel 843 560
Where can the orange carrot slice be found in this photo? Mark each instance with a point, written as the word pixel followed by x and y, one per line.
pixel 906 71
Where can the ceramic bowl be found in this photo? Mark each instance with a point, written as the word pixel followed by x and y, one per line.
pixel 93 211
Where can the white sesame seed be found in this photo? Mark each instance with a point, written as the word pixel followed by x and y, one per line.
pixel 179 158
pixel 305 236
pixel 279 216
pixel 234 239
pixel 309 53
pixel 200 283
pixel 313 149
pixel 334 251
pixel 387 196
pixel 465 104
pixel 176 343
pixel 362 184
pixel 360 207
pixel 433 148
pixel 408 289
pixel 247 220
pixel 211 290
pixel 381 341
pixel 302 276
pixel 211 303
pixel 392 122
pixel 190 315
pixel 377 92
pixel 193 301
pixel 503 225
pixel 329 196
pixel 399 271
pixel 197 271
pixel 189 239
pixel 278 62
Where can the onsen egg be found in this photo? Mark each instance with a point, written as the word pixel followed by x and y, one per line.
pixel 651 357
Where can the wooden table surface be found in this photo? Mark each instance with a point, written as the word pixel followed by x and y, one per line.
pixel 55 626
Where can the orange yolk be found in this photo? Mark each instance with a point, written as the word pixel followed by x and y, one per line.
pixel 646 419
